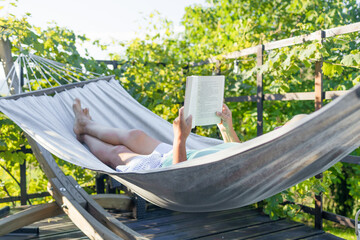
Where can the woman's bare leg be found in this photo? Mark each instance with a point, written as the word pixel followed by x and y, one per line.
pixel 136 140
pixel 111 155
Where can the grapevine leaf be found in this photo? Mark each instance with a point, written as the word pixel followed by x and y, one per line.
pixel 348 60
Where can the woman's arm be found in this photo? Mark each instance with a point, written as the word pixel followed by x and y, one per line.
pixel 182 129
pixel 226 126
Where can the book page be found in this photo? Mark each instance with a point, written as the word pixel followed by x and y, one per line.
pixel 190 98
pixel 210 96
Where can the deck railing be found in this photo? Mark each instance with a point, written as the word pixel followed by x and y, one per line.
pixel 318 96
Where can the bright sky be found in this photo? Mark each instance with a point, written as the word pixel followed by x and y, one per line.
pixel 106 20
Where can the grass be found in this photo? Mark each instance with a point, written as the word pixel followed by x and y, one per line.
pixel 339 230
pixel 329 227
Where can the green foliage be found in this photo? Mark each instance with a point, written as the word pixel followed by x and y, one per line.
pixel 54 43
pixel 225 26
pixel 155 68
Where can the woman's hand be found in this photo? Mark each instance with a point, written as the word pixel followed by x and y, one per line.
pixel 226 125
pixel 226 118
pixel 182 129
pixel 182 126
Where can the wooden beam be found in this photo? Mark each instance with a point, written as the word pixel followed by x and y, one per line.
pixel 241 99
pixel 241 53
pixel 29 196
pixel 114 201
pixel 49 91
pixel 111 201
pixel 290 96
pixel 95 210
pixel 4 211
pixel 355 27
pixel 28 216
pixel 108 62
pixel 345 221
pixel 334 94
pixel 78 215
pixel 351 159
pixel 290 41
pixel 84 218
pixel 52 170
pixel 287 96
pixel 201 63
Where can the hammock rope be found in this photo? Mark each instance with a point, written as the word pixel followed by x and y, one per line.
pixel 26 72
pixel 33 72
pixel 53 71
pixel 46 73
pixel 39 63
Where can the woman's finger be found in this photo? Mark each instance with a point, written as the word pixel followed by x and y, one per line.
pixel 181 113
pixel 189 120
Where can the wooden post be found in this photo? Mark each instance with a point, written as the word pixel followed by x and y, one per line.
pixel 319 97
pixel 7 61
pixel 319 79
pixel 99 183
pixel 23 192
pixel 115 64
pixel 21 78
pixel 22 166
pixel 260 94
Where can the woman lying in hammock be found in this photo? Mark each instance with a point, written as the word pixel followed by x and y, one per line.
pixel 134 150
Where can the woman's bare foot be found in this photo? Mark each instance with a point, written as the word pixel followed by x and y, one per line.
pixel 82 117
pixel 87 113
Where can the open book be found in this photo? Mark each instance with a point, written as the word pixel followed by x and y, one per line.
pixel 204 95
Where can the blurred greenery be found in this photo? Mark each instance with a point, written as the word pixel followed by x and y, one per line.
pixel 154 68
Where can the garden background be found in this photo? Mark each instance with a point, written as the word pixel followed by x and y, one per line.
pixel 154 67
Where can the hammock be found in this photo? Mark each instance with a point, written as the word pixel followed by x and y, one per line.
pixel 238 176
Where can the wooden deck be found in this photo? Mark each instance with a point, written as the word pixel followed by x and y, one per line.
pixel 243 223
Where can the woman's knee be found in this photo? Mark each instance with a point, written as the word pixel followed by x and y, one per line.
pixel 116 151
pixel 110 153
pixel 141 143
pixel 137 135
pixel 117 155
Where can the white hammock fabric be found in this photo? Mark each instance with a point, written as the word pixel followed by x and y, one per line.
pixel 234 177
